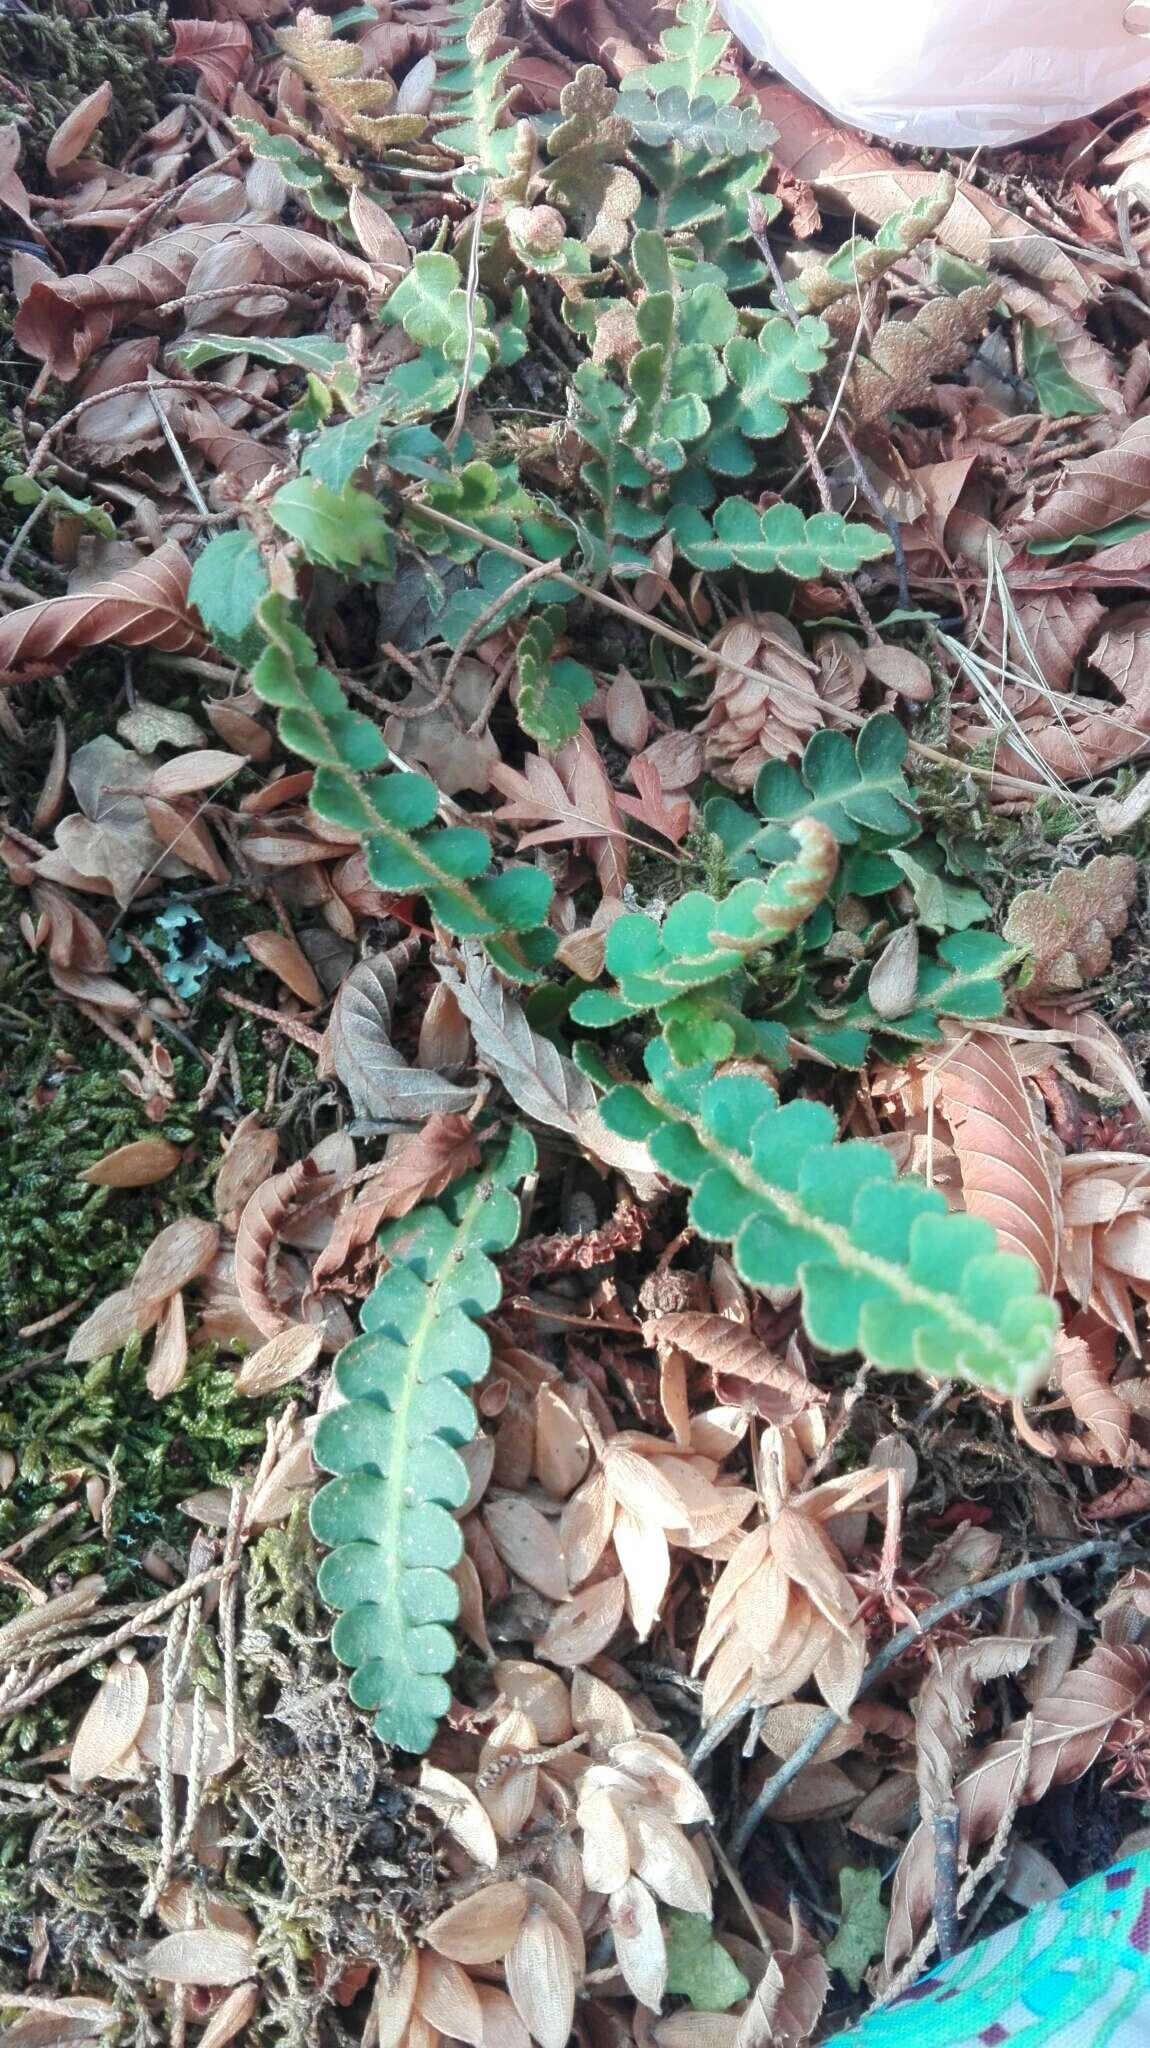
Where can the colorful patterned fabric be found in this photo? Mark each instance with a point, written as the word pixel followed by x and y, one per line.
pixel 1073 1974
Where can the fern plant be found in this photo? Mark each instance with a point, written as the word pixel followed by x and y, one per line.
pixel 688 972
pixel 881 1265
pixel 394 1443
pixel 394 813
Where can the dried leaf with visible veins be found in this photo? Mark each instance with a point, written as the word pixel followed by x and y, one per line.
pixel 145 606
pixel 1105 1257
pixel 111 1724
pixel 1005 1166
pixel 743 1366
pixel 945 1704
pixel 1068 926
pixel 62 321
pixel 1095 490
pixel 381 1083
pixel 219 50
pixel 257 1237
pixel 1071 1728
pixel 754 719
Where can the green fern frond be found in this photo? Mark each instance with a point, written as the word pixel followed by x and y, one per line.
pixel 882 1267
pixel 388 1516
pixel 394 813
pixel 471 82
pixel 701 945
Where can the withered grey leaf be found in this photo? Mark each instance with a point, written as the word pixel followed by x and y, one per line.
pixel 381 1084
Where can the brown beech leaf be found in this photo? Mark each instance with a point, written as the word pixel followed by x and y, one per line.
pixel 1071 1726
pixel 735 1355
pixel 137 1165
pixel 1084 1373
pixel 285 1357
pixel 144 606
pixel 257 1237
pixel 1094 491
pixel 111 1724
pixel 249 1159
pixel 1067 926
pixel 419 1165
pixel 581 1629
pixel 382 1085
pixel 943 1708
pixel 76 130
pixel 1006 1169
pixel 219 50
pixel 288 961
pixel 62 321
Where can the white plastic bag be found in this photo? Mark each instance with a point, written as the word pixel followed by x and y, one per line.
pixel 951 73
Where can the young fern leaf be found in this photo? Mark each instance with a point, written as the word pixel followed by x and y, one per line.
pixel 855 791
pixel 701 945
pixel 859 261
pixel 550 692
pixel 471 81
pixel 394 813
pixel 883 1268
pixel 388 1516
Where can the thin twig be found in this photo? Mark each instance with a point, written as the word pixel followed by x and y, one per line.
pixel 179 458
pixel 880 511
pixel 944 1830
pixel 776 1785
pixel 140 1624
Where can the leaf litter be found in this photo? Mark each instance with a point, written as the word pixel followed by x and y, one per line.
pixel 435 608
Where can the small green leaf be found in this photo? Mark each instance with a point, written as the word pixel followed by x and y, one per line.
pixel 338 452
pixel 228 581
pixel 862 1928
pixel 340 529
pixel 698 1967
pixel 942 905
pixel 316 352
pixel 1059 394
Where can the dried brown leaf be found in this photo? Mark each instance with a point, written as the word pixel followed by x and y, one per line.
pixel 541 1980
pixel 1007 1174
pixel 380 1082
pixel 480 1929
pixel 136 1165
pixel 528 1544
pixel 1070 1729
pixel 1094 491
pixel 142 606
pixel 201 1956
pixel 640 1947
pixel 1067 927
pixel 943 1708
pixel 544 1084
pixel 76 130
pixel 579 1631
pixel 285 1357
pixel 219 50
pixel 744 1368
pixel 256 1239
pixel 288 961
pixel 169 1360
pixel 111 1724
